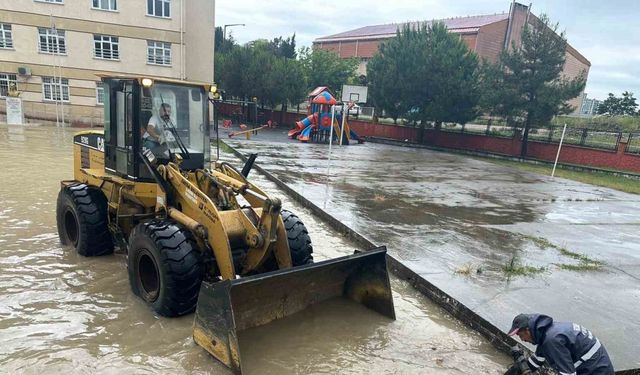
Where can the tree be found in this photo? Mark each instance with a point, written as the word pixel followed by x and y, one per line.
pixel 326 68
pixel 614 106
pixel 254 70
pixel 288 84
pixel 223 45
pixel 449 90
pixel 628 104
pixel 610 106
pixel 428 72
pixel 391 73
pixel 531 85
pixel 284 47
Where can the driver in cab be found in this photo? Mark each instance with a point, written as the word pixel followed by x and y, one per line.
pixel 156 126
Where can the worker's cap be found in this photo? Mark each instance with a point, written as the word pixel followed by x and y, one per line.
pixel 519 322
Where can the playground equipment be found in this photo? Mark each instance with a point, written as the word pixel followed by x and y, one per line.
pixel 317 125
pixel 247 133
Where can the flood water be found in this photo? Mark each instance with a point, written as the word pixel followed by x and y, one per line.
pixel 61 313
pixel 463 223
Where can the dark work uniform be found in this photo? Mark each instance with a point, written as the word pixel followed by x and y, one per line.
pixel 567 347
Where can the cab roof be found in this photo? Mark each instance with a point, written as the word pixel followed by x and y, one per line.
pixel 139 78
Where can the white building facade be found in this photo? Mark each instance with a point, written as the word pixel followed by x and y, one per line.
pixel 51 50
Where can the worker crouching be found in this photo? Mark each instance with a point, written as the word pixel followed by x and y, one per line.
pixel 564 346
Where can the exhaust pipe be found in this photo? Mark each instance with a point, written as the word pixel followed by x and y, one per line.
pixel 248 164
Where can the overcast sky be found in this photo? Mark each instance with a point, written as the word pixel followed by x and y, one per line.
pixel 607 33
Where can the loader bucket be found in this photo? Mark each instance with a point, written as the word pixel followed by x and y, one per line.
pixel 228 307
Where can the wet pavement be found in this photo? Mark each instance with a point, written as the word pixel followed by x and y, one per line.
pixel 62 313
pixel 500 240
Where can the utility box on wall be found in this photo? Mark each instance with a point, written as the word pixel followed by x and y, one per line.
pixel 15 115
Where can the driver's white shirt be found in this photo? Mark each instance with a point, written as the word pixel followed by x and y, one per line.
pixel 157 123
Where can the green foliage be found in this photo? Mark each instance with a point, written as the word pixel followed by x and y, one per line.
pixel 284 47
pixel 623 106
pixel 260 69
pixel 513 267
pixel 326 68
pixel 390 74
pixel 528 83
pixel 427 73
pixel 223 45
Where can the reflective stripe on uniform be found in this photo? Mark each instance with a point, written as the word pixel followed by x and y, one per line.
pixel 533 363
pixel 566 373
pixel 588 354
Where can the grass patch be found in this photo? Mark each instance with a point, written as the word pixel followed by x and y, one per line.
pixel 580 257
pixel 581 266
pixel 542 243
pixel 604 179
pixel 584 262
pixel 224 147
pixel 514 268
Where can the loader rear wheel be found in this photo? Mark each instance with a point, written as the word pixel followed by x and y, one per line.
pixel 81 215
pixel 165 267
pixel 298 237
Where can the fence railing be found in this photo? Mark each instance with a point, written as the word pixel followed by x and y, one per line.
pixel 633 144
pixel 607 140
pixel 489 130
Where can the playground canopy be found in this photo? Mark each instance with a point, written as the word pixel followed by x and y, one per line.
pixel 324 98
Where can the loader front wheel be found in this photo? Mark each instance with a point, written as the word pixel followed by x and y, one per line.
pixel 165 267
pixel 298 238
pixel 81 215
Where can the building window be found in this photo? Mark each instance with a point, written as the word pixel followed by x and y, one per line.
pixel 6 81
pixel 158 53
pixel 6 40
pixel 51 1
pixel 106 47
pixel 159 8
pixel 100 93
pixel 55 88
pixel 52 41
pixel 105 4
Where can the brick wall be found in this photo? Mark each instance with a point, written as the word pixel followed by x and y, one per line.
pixel 367 48
pixel 491 40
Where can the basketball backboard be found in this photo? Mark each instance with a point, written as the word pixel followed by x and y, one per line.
pixel 353 93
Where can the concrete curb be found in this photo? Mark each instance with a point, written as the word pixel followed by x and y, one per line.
pixel 457 309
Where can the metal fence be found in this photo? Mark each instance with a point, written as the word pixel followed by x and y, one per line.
pixel 606 140
pixel 633 144
pixel 489 130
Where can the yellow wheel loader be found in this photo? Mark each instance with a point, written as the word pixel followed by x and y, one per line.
pixel 197 235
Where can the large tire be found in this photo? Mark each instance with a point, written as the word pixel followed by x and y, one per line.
pixel 81 214
pixel 298 237
pixel 165 267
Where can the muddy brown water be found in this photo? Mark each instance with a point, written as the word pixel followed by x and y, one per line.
pixel 62 313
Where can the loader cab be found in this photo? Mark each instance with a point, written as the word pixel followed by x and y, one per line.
pixel 131 104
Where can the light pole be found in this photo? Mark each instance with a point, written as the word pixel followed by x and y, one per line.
pixel 224 29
